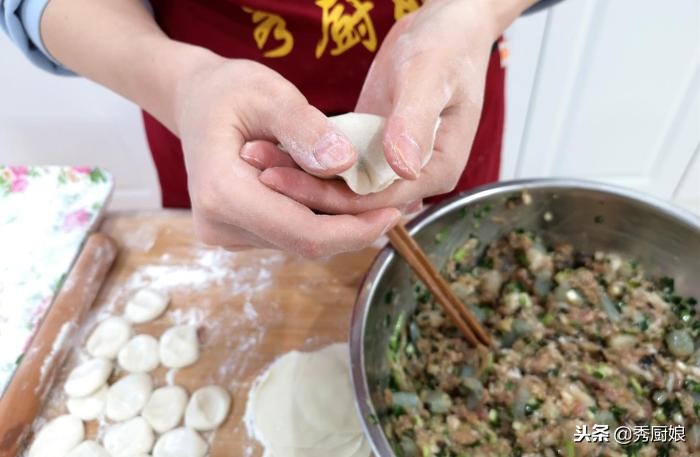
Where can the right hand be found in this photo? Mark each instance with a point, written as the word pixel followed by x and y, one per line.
pixel 224 104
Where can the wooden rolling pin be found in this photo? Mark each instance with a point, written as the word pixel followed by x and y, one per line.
pixel 24 396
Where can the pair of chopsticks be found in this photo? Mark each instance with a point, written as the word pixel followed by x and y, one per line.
pixel 462 316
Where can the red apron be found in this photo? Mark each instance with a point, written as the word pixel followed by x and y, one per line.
pixel 324 47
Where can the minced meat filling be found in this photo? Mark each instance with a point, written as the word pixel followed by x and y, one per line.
pixel 579 340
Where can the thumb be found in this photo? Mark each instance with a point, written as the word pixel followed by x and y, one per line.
pixel 309 137
pixel 412 125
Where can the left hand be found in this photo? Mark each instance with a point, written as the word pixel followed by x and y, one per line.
pixel 430 68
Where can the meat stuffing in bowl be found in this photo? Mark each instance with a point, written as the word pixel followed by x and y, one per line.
pixel 589 291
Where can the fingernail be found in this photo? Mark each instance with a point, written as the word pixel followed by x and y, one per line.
pixel 267 179
pixel 409 154
pixel 333 151
pixel 248 156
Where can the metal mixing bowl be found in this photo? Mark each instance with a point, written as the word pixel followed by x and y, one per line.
pixel 591 216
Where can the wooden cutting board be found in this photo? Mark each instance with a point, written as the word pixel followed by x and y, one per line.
pixel 251 307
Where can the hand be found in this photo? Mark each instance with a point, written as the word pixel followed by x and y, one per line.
pixel 430 69
pixel 226 103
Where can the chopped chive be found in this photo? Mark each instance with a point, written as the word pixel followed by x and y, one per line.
pixel 442 235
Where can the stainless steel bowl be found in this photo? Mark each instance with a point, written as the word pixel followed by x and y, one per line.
pixel 591 216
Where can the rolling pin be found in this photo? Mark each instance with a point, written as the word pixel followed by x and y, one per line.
pixel 24 396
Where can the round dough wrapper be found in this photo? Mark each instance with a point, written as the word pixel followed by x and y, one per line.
pixel 146 305
pixel 281 421
pixel 165 408
pixel 129 438
pixel 326 397
pixel 140 354
pixel 181 442
pixel 365 450
pixel 208 408
pixel 371 173
pixel 88 449
pixel 86 378
pixel 108 338
pixel 336 446
pixel 179 346
pixel 127 397
pixel 273 411
pixel 57 437
pixel 90 407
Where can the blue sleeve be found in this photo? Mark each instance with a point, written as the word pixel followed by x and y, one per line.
pixel 20 20
pixel 542 4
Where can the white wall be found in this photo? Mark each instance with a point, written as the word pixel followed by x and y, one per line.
pixel 608 90
pixel 601 89
pixel 46 119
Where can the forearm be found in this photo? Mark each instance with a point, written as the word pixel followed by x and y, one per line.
pixel 117 44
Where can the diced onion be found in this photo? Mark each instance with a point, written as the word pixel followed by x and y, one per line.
pixel 438 402
pixel 680 343
pixel 609 307
pixel 694 436
pixel 406 400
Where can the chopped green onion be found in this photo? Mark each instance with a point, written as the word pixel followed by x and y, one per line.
pixel 547 319
pixel 442 235
pixel 618 412
pixel 638 389
pixel 389 297
pixel 521 258
pixel 569 448
pixel 532 406
pixel 644 324
pixel 395 338
pixel 460 254
pixel 494 418
pixel 667 284
pixel 692 385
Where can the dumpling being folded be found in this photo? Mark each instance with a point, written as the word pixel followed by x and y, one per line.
pixel 372 173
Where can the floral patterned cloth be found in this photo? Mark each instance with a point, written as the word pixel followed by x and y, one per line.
pixel 45 215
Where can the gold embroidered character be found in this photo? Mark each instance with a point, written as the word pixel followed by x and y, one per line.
pixel 404 7
pixel 346 29
pixel 269 23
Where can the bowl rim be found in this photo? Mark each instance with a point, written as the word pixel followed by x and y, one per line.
pixel 363 401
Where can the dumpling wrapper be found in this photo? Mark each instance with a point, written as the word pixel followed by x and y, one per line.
pixel 372 173
pixel 303 406
pixel 313 396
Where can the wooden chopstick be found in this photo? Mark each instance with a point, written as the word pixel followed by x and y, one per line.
pixel 460 315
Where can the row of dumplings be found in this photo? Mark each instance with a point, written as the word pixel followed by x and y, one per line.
pixel 137 411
